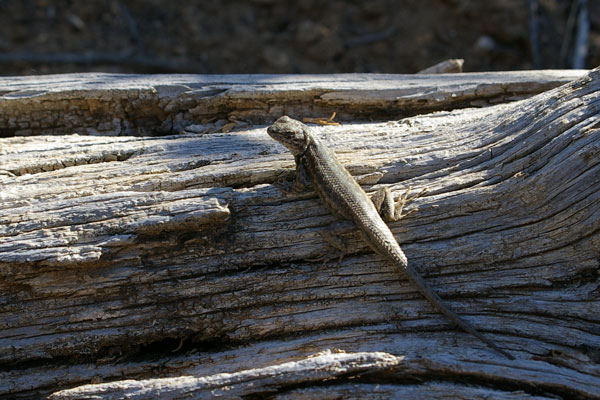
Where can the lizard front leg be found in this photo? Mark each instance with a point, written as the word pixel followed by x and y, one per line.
pixel 301 182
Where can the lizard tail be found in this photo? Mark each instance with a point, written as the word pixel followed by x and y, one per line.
pixel 436 300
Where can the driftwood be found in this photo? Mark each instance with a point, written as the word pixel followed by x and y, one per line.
pixel 171 266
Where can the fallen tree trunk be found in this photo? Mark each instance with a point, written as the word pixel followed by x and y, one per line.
pixel 151 105
pixel 172 266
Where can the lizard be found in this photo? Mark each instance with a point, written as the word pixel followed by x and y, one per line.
pixel 318 166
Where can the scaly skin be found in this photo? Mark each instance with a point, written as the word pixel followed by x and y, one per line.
pixel 317 164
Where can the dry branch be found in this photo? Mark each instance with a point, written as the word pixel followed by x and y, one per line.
pixel 451 66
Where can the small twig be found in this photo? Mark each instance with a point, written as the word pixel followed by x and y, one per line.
pixel 181 340
pixel 133 27
pixel 568 36
pixel 534 39
pixel 580 48
pixel 321 121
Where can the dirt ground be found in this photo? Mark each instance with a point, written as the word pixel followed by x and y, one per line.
pixel 269 36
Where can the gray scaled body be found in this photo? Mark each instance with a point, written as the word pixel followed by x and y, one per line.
pixel 316 164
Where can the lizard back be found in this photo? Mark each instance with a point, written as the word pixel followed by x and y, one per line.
pixel 341 194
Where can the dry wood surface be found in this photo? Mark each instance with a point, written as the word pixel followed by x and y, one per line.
pixel 172 266
pixel 151 105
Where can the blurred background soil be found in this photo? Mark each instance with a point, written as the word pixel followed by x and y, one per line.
pixel 304 36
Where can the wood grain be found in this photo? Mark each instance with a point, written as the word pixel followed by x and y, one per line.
pixel 155 105
pixel 151 258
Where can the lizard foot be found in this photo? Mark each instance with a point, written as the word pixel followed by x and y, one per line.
pixel 331 235
pixel 286 187
pixel 404 199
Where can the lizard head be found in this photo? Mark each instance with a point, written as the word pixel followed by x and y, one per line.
pixel 291 133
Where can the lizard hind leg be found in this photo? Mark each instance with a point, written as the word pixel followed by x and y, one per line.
pixel 383 200
pixel 331 236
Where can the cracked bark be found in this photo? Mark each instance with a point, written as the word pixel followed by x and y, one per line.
pixel 157 264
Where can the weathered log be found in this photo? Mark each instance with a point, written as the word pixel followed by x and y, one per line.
pixel 119 104
pixel 173 266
